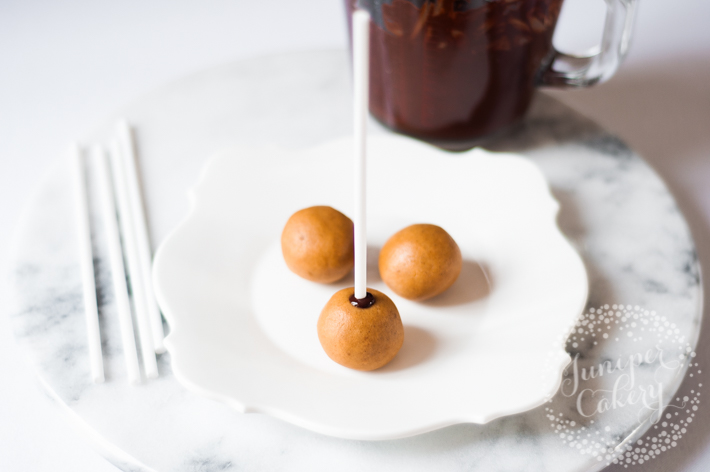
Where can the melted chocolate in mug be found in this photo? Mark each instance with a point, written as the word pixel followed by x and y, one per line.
pixel 450 71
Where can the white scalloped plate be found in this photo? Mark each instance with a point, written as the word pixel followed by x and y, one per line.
pixel 243 328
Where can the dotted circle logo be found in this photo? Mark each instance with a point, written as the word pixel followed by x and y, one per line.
pixel 644 352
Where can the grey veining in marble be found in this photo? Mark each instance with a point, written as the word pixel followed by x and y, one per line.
pixel 614 208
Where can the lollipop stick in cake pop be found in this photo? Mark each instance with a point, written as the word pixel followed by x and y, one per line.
pixel 361 63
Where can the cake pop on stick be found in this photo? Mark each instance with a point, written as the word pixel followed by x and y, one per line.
pixel 360 328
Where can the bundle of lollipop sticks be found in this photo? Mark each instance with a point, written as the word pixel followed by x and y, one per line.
pixel 123 216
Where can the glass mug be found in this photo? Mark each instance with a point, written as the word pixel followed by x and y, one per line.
pixel 452 71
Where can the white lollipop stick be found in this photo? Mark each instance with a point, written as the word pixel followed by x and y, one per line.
pixel 134 268
pixel 118 272
pixel 128 156
pixel 361 71
pixel 87 267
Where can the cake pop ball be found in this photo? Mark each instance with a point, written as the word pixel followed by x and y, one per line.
pixel 420 262
pixel 360 334
pixel 317 244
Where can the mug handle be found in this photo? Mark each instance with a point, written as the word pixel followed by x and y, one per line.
pixel 568 70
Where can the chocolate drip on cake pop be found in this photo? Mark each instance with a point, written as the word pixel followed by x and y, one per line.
pixel 366 302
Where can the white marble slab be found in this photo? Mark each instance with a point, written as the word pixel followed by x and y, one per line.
pixel 617 212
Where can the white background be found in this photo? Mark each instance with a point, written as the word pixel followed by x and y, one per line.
pixel 66 64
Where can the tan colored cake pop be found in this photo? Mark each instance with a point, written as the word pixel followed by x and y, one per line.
pixel 420 261
pixel 360 334
pixel 317 244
